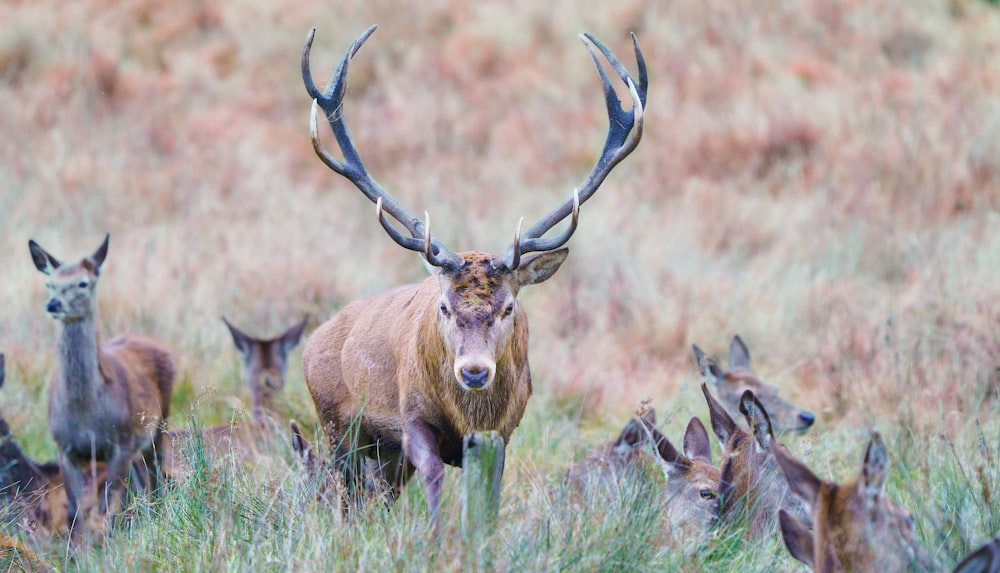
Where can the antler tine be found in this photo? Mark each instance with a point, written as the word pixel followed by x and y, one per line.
pixel 331 100
pixel 624 134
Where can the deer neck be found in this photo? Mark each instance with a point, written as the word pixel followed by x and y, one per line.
pixel 79 359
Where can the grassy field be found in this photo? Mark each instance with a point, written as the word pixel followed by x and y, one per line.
pixel 821 178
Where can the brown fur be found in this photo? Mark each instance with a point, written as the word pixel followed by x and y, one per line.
pixel 731 384
pixel 107 402
pixel 857 526
pixel 387 373
pixel 751 487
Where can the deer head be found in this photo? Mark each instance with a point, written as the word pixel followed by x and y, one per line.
pixel 730 386
pixel 71 286
pixel 857 526
pixel 265 361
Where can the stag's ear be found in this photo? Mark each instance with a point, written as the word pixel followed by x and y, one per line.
pixel 876 466
pixel 538 268
pixel 722 424
pixel 757 418
pixel 739 356
pixel 696 442
pixel 290 338
pixel 44 262
pixel 240 338
pixel 797 538
pixel 100 254
pixel 801 480
pixel 3 369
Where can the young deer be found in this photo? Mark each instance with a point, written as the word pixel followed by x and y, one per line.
pixel 732 384
pixel 751 487
pixel 265 364
pixel 107 402
pixel 857 526
pixel 986 559
pixel 34 492
pixel 402 376
pixel 607 464
pixel 692 493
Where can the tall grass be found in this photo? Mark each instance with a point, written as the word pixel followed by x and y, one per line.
pixel 821 179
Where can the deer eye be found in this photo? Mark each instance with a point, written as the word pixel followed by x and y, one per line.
pixel 707 494
pixel 509 310
pixel 444 309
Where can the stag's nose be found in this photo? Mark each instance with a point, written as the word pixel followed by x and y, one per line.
pixel 807 419
pixel 475 378
pixel 54 305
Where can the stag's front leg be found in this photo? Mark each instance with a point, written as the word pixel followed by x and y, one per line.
pixel 420 447
pixel 73 480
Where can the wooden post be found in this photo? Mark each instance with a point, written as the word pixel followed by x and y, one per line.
pixel 482 469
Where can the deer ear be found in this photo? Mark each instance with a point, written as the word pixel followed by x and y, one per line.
pixel 300 445
pixel 709 370
pixel 739 356
pixel 648 417
pixel 240 338
pixel 538 268
pixel 44 262
pixel 801 480
pixel 290 338
pixel 672 461
pixel 101 253
pixel 980 560
pixel 797 538
pixel 696 442
pixel 757 418
pixel 722 424
pixel 876 465
pixel 631 435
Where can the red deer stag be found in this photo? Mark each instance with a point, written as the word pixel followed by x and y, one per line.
pixel 107 402
pixel 751 487
pixel 265 364
pixel 857 526
pixel 402 376
pixel 731 385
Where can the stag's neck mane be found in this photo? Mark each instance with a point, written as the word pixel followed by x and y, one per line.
pixel 80 364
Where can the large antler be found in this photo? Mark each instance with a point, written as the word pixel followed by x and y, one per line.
pixel 332 101
pixel 624 133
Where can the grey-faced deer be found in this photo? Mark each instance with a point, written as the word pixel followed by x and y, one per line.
pixel 751 487
pixel 107 402
pixel 692 492
pixel 609 462
pixel 731 384
pixel 857 526
pixel 33 493
pixel 265 364
pixel 985 559
pixel 402 376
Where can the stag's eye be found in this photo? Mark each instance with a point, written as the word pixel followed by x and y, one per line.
pixel 444 309
pixel 509 310
pixel 707 494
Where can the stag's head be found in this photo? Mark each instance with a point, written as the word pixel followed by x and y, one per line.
pixel 478 309
pixel 730 386
pixel 858 527
pixel 72 287
pixel 265 360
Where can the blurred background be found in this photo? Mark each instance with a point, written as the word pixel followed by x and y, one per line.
pixel 822 178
